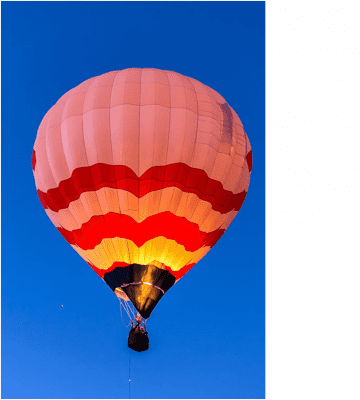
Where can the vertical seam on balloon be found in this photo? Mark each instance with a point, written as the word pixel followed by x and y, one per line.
pixel 124 138
pixel 166 160
pixel 39 176
pixel 167 151
pixel 234 133
pixel 161 253
pixel 228 172
pixel 62 146
pixel 112 158
pixel 141 252
pixel 172 196
pixel 221 131
pixel 197 125
pixel 241 176
pixel 204 218
pixel 105 189
pixel 80 197
pixel 191 164
pixel 147 250
pixel 62 134
pixel 153 163
pixel 112 152
pixel 245 161
pixel 242 171
pixel 193 154
pixel 95 192
pixel 138 171
pixel 46 149
pixel 83 136
pixel 191 161
pixel 46 140
pixel 38 179
pixel 139 145
pixel 244 157
pixel 197 203
pixel 219 141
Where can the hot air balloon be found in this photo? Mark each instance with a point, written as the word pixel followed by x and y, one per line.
pixel 141 171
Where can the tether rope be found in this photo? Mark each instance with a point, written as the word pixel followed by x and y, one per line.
pixel 129 376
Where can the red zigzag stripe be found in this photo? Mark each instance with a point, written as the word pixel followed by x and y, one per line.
pixel 164 224
pixel 189 180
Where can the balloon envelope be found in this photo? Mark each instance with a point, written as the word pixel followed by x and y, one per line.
pixel 141 167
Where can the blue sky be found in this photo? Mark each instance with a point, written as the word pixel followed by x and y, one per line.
pixel 207 335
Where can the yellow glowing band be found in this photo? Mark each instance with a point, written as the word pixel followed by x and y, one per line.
pixel 157 251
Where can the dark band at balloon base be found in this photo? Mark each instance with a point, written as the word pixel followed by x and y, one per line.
pixel 144 285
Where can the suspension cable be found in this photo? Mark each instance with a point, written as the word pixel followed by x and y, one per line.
pixel 130 311
pixel 122 317
pixel 129 308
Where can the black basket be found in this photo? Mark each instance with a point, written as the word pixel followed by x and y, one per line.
pixel 138 340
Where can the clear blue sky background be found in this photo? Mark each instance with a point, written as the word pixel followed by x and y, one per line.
pixel 207 335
